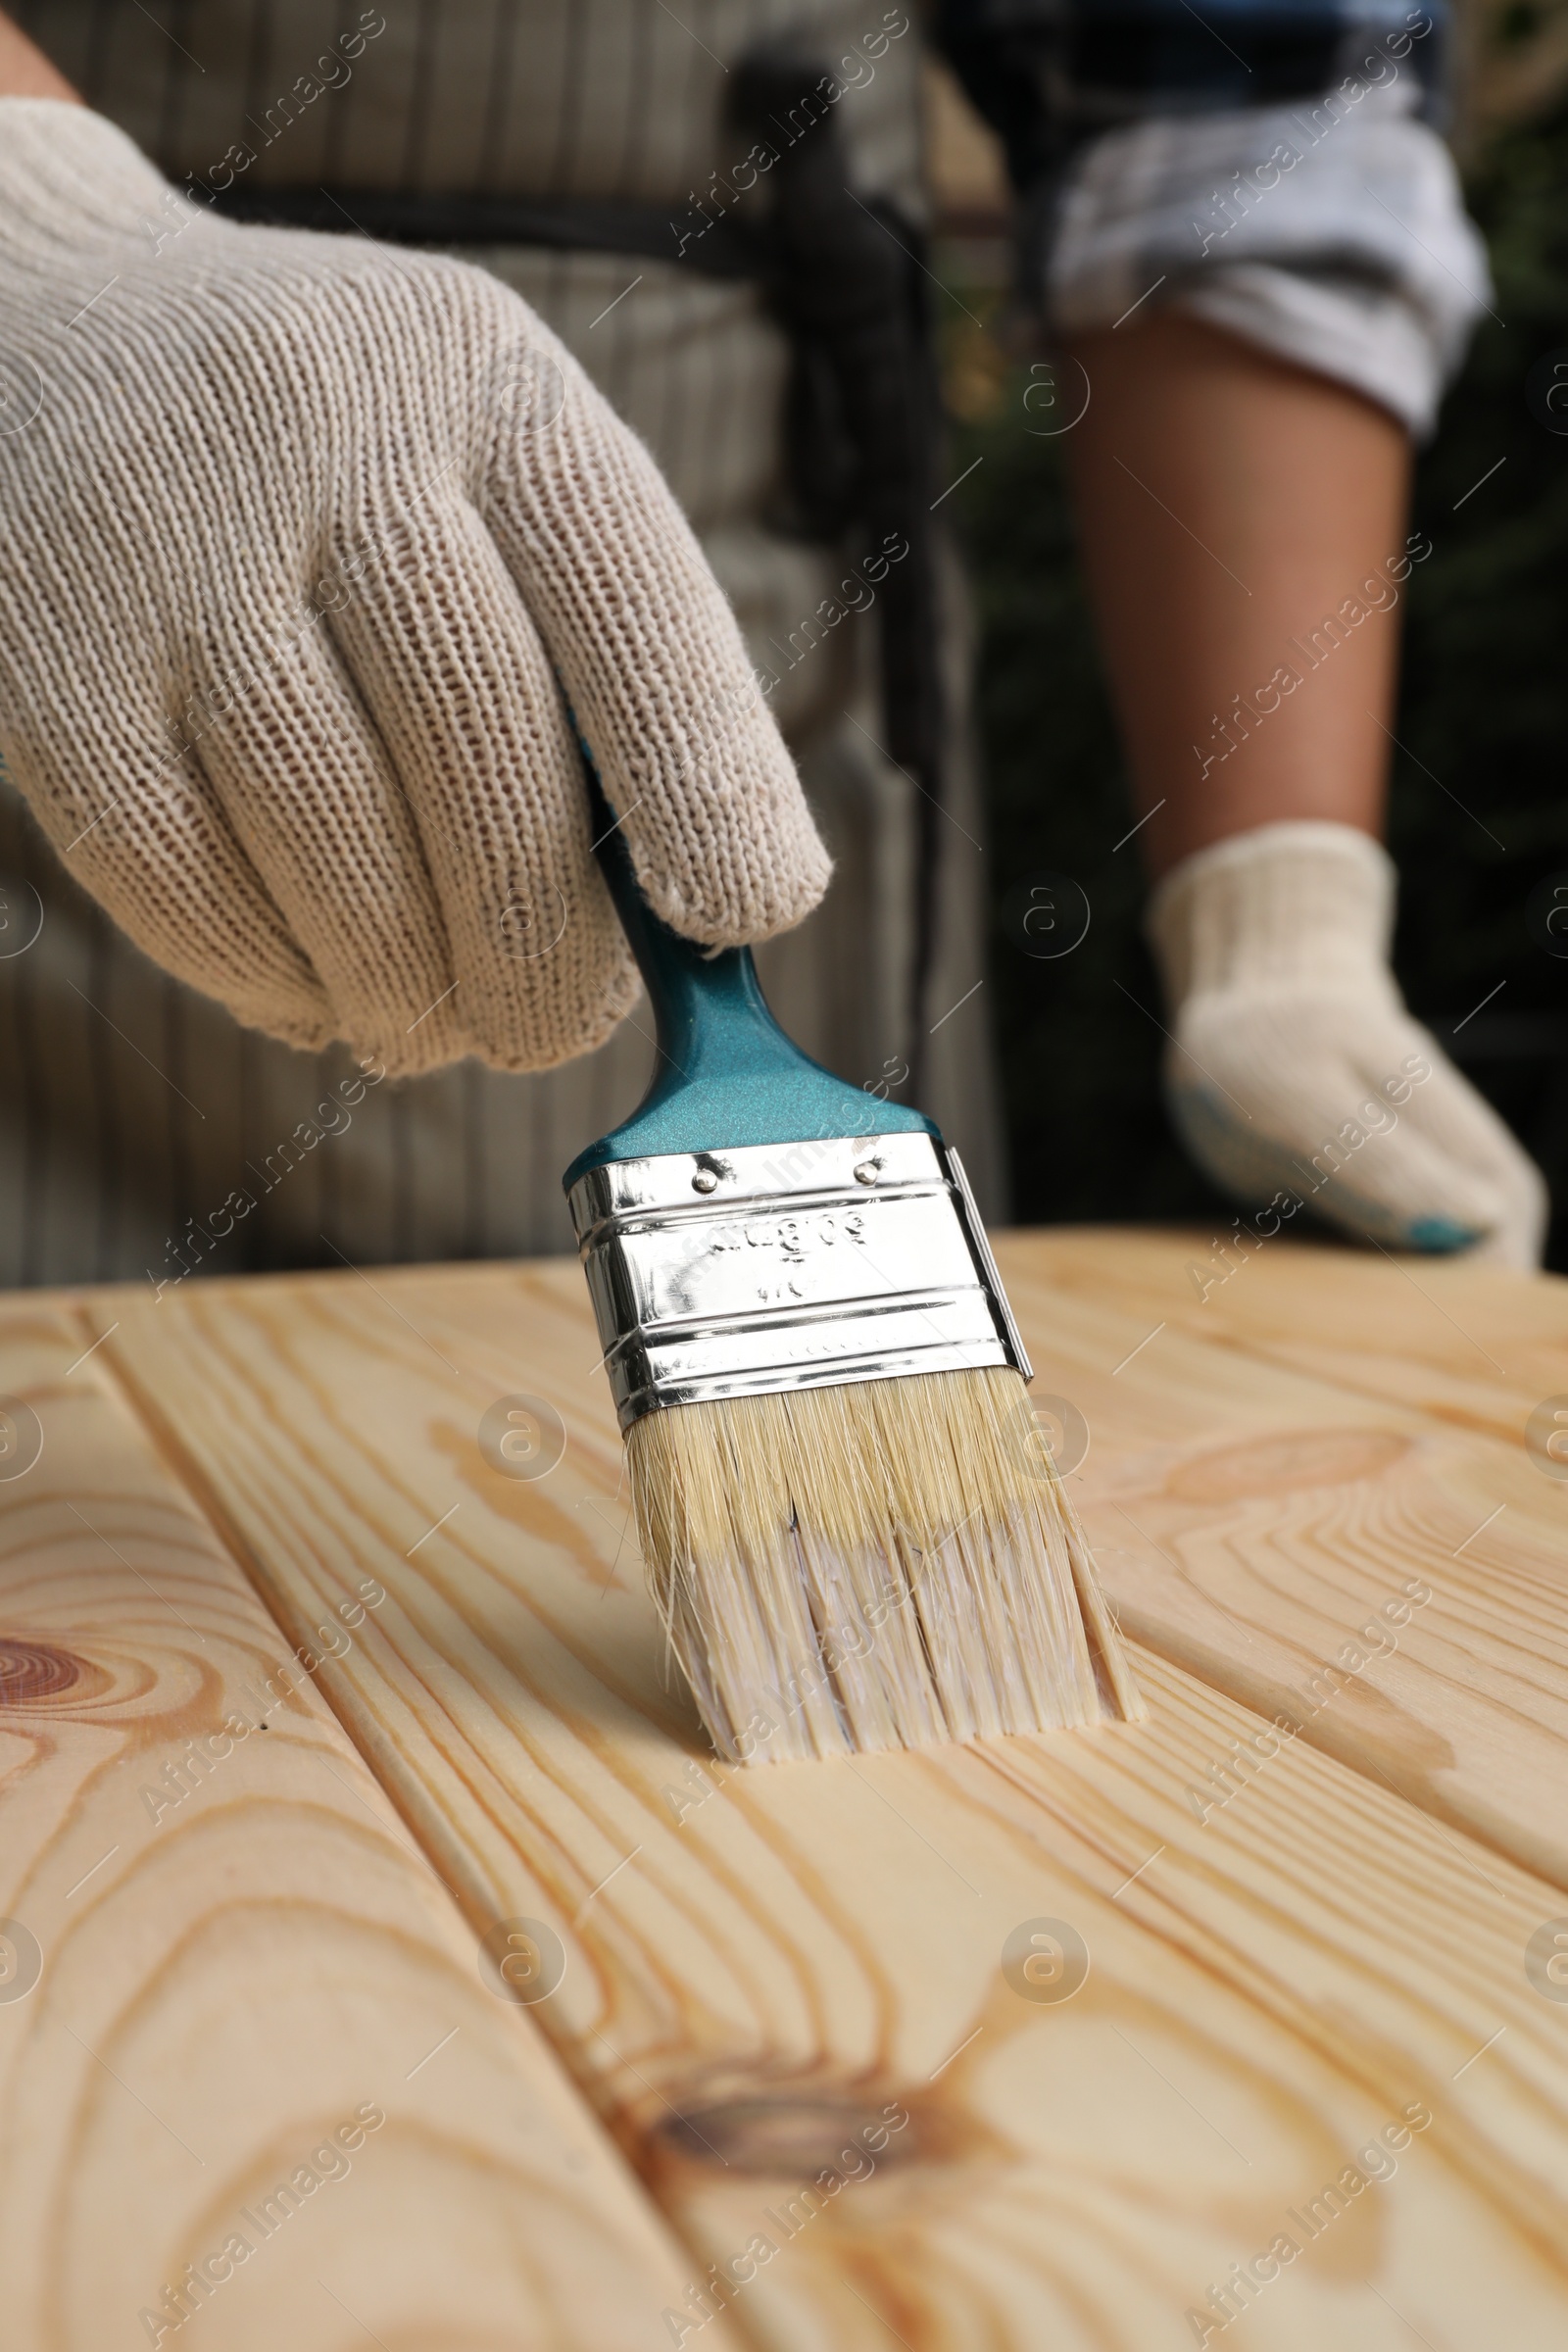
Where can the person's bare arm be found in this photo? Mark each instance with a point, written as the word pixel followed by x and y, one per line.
pixel 1244 529
pixel 1228 503
pixel 26 72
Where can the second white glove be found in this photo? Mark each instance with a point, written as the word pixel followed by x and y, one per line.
pixel 1294 1066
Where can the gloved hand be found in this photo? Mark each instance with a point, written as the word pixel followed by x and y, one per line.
pixel 296 532
pixel 1295 1067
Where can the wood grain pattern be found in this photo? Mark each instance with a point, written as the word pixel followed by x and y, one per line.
pixel 770 1966
pixel 1470 1344
pixel 1256 1497
pixel 224 1952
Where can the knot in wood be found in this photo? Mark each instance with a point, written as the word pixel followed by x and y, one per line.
pixel 789 2138
pixel 33 1670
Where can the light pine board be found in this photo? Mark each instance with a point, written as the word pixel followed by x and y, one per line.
pixel 754 1975
pixel 237 1960
pixel 1255 1496
pixel 1472 1345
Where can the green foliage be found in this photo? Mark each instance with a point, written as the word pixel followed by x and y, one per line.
pixel 1479 814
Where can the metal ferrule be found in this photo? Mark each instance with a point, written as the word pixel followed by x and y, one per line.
pixel 788 1265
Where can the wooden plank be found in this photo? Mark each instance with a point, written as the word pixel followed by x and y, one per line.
pixel 1253 1516
pixel 771 1967
pixel 226 1966
pixel 1466 1344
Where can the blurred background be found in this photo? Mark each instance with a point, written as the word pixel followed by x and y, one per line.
pixel 1478 817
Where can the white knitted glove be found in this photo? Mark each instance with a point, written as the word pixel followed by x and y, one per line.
pixel 294 533
pixel 1294 1068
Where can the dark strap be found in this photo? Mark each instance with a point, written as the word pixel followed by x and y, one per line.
pixel 849 284
pixel 567 223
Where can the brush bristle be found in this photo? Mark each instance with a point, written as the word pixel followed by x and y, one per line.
pixel 887 1564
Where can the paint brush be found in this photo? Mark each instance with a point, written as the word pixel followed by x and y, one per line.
pixel 852 1529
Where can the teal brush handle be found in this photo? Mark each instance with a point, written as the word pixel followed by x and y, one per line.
pixel 727 1075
